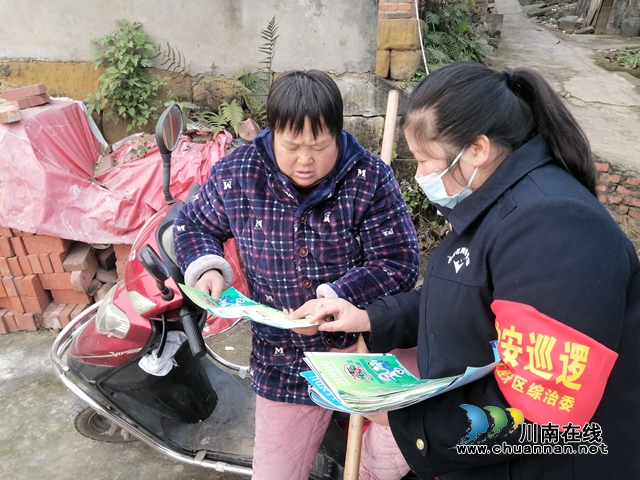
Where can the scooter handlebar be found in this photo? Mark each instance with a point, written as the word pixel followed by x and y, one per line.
pixel 194 335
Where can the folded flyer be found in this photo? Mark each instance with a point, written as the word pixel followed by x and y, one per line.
pixel 234 304
pixel 374 383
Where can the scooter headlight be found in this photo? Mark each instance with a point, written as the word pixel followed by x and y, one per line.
pixel 110 320
pixel 140 303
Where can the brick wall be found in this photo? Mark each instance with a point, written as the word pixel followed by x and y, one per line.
pixel 391 9
pixel 46 281
pixel 619 191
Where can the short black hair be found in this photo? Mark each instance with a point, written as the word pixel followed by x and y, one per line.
pixel 297 95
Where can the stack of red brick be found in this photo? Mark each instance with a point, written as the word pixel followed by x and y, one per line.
pixel 26 97
pixel 619 191
pixel 47 281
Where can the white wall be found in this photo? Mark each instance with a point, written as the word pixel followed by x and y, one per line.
pixel 336 36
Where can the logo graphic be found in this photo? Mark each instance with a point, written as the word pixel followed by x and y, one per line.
pixel 356 372
pixel 480 425
pixel 460 258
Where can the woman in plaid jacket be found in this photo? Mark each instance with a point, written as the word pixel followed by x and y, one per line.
pixel 315 216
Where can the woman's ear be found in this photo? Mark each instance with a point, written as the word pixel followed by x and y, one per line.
pixel 479 152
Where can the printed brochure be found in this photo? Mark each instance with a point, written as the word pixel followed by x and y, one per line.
pixel 234 304
pixel 374 383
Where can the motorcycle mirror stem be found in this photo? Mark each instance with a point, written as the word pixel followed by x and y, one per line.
pixel 153 264
pixel 168 132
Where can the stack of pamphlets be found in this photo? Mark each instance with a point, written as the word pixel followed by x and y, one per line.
pixel 374 383
pixel 234 304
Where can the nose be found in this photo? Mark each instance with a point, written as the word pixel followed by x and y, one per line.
pixel 305 158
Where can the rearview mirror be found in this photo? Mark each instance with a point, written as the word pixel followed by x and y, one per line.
pixel 168 132
pixel 169 129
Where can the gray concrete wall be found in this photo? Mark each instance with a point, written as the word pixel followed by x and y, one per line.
pixel 336 36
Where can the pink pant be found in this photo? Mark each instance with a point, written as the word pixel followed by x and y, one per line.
pixel 288 437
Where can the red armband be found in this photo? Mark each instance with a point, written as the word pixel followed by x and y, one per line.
pixel 549 371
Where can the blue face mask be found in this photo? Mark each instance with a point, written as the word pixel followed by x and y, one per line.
pixel 433 187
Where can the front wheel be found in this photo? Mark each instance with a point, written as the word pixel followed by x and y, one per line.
pixel 92 425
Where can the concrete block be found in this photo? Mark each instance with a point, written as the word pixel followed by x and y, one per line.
pixel 398 34
pixel 368 131
pixel 106 257
pixel 366 94
pixel 106 276
pixel 81 280
pixel 79 256
pixel 404 64
pixel 9 113
pixel 102 292
pixel 630 27
pixel 383 59
pixel 94 286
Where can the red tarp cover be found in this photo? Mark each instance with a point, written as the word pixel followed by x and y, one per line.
pixel 47 185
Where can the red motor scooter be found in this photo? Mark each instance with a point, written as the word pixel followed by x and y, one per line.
pixel 141 370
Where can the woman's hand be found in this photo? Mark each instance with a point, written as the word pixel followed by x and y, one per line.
pixel 346 317
pixel 211 282
pixel 303 330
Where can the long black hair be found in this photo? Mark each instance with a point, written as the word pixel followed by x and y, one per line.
pixel 297 95
pixel 461 101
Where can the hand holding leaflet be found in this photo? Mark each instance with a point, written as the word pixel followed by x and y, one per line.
pixel 234 304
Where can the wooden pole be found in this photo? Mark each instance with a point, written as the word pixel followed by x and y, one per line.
pixel 356 422
pixel 354 438
pixel 386 151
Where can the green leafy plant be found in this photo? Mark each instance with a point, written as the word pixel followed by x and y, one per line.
pixel 449 35
pixel 630 60
pixel 430 226
pixel 270 34
pixel 221 103
pixel 126 87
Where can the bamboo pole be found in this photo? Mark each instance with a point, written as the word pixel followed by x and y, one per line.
pixel 354 437
pixel 356 422
pixel 386 151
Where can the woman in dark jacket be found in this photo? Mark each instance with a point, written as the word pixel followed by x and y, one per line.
pixel 534 261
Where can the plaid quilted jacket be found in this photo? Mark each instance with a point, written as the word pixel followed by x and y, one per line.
pixel 352 233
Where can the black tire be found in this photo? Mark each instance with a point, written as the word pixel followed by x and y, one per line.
pixel 92 425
